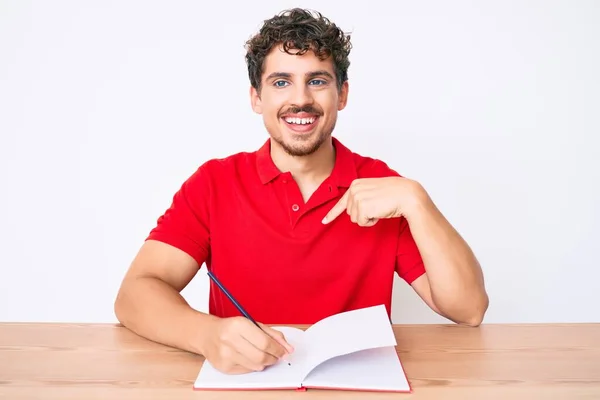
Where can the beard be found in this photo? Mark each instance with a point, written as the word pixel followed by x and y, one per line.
pixel 303 146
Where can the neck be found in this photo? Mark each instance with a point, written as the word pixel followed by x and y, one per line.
pixel 311 169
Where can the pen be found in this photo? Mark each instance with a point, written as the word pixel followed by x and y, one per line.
pixel 235 303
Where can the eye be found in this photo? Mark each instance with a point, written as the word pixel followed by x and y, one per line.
pixel 317 82
pixel 279 83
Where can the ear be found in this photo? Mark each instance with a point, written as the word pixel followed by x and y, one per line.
pixel 255 100
pixel 343 96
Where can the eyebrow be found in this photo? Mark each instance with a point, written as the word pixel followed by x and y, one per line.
pixel 311 74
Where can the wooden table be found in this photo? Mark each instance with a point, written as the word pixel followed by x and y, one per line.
pixel 91 361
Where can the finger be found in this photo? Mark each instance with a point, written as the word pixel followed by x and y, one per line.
pixel 252 357
pixel 238 370
pixel 358 209
pixel 232 368
pixel 371 222
pixel 365 220
pixel 230 361
pixel 350 205
pixel 243 363
pixel 363 217
pixel 279 337
pixel 337 209
pixel 262 341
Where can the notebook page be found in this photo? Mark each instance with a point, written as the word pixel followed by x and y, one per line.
pixel 347 333
pixel 373 369
pixel 280 375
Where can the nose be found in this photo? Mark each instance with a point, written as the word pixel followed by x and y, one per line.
pixel 301 95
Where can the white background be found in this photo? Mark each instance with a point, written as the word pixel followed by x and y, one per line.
pixel 106 107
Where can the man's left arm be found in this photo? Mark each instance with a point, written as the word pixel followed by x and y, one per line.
pixel 453 284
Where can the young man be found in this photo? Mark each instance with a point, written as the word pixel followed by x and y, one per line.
pixel 298 230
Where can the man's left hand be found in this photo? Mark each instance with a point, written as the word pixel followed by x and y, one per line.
pixel 368 200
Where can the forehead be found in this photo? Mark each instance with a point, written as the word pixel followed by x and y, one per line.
pixel 280 61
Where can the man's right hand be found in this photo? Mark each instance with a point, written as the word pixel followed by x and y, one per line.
pixel 236 346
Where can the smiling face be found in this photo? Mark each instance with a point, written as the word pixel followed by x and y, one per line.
pixel 299 100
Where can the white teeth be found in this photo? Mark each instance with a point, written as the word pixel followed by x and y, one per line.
pixel 299 121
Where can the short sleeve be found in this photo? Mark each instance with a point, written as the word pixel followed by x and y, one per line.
pixel 409 264
pixel 185 224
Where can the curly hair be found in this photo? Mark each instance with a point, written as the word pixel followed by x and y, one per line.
pixel 300 30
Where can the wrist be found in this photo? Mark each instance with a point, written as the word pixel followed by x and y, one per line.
pixel 199 336
pixel 418 202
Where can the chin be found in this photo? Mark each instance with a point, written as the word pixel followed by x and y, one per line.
pixel 301 145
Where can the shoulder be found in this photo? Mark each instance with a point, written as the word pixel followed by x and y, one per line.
pixel 369 167
pixel 218 169
pixel 205 184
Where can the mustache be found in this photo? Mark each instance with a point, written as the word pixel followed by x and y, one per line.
pixel 297 109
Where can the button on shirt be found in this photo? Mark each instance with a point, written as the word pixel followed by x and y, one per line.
pixel 248 223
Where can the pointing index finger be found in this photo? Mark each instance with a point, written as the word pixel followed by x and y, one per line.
pixel 337 209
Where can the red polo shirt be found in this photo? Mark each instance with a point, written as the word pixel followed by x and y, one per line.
pixel 248 222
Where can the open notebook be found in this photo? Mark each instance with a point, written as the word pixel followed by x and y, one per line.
pixel 354 350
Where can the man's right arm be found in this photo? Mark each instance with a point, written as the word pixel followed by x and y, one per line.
pixel 149 301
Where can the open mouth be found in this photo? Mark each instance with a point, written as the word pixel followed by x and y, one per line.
pixel 300 124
